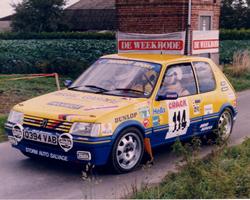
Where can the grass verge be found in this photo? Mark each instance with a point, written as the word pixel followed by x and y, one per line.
pixel 13 92
pixel 223 174
pixel 240 82
pixel 3 119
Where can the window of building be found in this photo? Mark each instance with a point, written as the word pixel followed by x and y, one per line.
pixel 205 23
pixel 180 79
pixel 205 76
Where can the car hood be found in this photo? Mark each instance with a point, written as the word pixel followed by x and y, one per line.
pixel 74 105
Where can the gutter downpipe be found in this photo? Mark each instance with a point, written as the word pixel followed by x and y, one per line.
pixel 188 31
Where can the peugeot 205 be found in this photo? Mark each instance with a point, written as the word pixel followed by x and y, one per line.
pixel 122 106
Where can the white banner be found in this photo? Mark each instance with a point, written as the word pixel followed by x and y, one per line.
pixel 205 42
pixel 170 43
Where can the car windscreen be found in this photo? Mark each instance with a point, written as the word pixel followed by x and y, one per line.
pixel 119 77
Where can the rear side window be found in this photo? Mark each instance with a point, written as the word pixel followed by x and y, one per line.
pixel 205 77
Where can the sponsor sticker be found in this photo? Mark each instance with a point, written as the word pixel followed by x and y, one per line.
pixel 146 123
pixel 159 111
pixel 156 120
pixel 224 86
pixel 144 112
pixel 208 109
pixel 196 107
pixel 179 117
pixel 100 108
pixel 125 117
pixel 65 105
pixel 65 141
pixel 107 129
pixel 46 154
pixel 205 127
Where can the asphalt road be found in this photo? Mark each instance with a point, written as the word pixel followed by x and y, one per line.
pixel 24 178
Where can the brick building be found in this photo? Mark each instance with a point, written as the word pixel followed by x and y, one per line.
pixel 166 16
pixel 92 15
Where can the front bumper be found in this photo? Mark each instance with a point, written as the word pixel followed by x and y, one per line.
pixel 98 148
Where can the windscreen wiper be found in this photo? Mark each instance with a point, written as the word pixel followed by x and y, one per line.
pixel 96 87
pixel 75 87
pixel 129 90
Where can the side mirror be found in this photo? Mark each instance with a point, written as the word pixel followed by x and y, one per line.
pixel 167 96
pixel 67 83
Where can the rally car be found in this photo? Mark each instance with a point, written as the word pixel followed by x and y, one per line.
pixel 122 106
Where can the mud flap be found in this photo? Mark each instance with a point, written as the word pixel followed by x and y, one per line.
pixel 148 149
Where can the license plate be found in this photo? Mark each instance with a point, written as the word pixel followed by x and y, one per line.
pixel 40 137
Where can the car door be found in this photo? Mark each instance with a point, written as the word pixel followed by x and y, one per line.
pixel 210 104
pixel 177 118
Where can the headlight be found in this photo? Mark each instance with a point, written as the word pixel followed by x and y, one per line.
pixel 15 117
pixel 85 129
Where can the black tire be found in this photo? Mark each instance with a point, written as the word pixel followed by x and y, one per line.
pixel 219 135
pixel 135 153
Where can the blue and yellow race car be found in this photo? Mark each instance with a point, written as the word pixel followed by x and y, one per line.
pixel 122 106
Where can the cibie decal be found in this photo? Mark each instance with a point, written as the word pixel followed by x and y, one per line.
pixel 66 141
pixel 179 117
pixel 208 109
pixel 107 129
pixel 17 131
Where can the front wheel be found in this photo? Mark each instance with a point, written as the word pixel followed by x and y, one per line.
pixel 127 151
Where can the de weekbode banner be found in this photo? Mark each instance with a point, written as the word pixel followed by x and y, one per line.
pixel 170 43
pixel 205 42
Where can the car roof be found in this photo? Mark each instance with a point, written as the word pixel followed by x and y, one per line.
pixel 157 58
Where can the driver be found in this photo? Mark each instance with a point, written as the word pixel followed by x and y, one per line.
pixel 172 82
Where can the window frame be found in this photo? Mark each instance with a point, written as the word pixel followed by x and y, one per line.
pixel 193 72
pixel 197 78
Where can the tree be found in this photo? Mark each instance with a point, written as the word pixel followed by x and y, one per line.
pixel 38 15
pixel 234 14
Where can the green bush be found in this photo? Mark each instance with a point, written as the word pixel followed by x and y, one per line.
pixel 57 35
pixel 66 57
pixel 243 34
pixel 229 47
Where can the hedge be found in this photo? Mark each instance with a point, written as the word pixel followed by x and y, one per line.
pixel 71 57
pixel 224 35
pixel 58 35
pixel 243 34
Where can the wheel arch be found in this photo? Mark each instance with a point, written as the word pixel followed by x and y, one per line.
pixel 230 107
pixel 129 124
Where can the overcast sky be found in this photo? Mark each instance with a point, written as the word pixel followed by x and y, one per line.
pixel 6 9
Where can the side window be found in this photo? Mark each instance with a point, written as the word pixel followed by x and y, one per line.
pixel 180 79
pixel 205 76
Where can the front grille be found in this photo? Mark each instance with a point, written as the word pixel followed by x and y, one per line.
pixel 51 124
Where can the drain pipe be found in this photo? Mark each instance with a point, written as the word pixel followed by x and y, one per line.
pixel 188 34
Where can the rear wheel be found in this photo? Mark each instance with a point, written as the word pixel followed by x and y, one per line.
pixel 225 125
pixel 127 151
